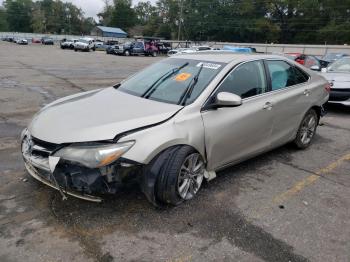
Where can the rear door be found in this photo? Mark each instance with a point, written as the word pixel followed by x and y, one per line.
pixel 235 133
pixel 290 97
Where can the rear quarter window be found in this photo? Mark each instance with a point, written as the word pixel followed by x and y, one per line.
pixel 283 74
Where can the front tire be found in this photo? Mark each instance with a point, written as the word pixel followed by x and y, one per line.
pixel 126 53
pixel 307 130
pixel 180 177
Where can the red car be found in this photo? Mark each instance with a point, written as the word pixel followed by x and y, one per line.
pixel 36 40
pixel 305 60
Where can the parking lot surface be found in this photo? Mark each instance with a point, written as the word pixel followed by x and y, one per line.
pixel 286 205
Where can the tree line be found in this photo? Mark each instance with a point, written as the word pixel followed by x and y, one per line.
pixel 261 21
pixel 44 16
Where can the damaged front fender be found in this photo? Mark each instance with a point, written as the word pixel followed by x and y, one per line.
pixel 150 142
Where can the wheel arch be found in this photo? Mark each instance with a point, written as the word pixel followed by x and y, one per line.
pixel 153 170
pixel 318 110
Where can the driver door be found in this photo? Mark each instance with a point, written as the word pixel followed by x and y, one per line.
pixel 233 134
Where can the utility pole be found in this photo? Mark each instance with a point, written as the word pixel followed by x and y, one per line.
pixel 180 19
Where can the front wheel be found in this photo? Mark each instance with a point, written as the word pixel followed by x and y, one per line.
pixel 307 130
pixel 126 53
pixel 180 177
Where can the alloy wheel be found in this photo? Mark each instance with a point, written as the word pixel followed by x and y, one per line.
pixel 191 176
pixel 308 129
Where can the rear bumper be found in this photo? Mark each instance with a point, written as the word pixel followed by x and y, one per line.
pixel 345 103
pixel 340 96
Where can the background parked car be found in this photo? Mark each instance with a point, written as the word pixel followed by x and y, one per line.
pixel 141 47
pixel 238 49
pixel 22 41
pixel 308 61
pixel 110 50
pixel 85 44
pixel 163 48
pixel 8 39
pixel 332 57
pixel 47 41
pixel 338 75
pixel 36 40
pixel 68 43
pixel 189 50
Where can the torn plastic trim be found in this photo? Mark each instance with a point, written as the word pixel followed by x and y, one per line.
pixel 35 175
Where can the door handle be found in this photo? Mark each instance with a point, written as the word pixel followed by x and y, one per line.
pixel 267 106
pixel 307 92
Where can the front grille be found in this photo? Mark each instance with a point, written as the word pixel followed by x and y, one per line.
pixel 37 152
pixel 42 148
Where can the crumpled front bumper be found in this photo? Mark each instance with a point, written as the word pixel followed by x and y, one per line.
pixel 33 172
pixel 73 179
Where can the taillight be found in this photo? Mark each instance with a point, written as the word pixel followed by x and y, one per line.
pixel 328 87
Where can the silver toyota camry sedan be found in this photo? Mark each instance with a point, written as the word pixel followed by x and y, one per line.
pixel 173 125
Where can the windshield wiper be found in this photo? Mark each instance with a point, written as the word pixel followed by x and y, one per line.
pixel 188 91
pixel 161 79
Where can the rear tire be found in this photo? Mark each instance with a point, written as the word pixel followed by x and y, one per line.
pixel 307 130
pixel 180 177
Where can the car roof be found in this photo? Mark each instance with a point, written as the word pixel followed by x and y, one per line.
pixel 224 56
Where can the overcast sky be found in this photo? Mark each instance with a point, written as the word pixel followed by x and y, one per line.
pixel 92 7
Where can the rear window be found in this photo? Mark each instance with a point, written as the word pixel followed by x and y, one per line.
pixel 284 75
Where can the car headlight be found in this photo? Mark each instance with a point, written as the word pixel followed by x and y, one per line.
pixel 94 156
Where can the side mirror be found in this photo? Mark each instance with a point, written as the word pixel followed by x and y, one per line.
pixel 324 70
pixel 225 99
pixel 315 68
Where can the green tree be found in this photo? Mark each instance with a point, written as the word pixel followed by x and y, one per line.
pixel 145 12
pixel 18 13
pixel 3 20
pixel 105 16
pixel 123 15
pixel 88 24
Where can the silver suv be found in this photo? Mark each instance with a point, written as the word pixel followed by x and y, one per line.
pixel 173 125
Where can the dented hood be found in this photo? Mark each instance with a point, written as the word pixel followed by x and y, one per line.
pixel 97 115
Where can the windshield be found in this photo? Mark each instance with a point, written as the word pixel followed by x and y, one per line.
pixel 84 41
pixel 341 65
pixel 172 88
pixel 332 56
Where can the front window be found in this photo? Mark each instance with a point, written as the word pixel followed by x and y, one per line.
pixel 157 82
pixel 341 65
pixel 246 80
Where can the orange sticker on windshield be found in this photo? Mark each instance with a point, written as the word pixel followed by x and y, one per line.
pixel 182 77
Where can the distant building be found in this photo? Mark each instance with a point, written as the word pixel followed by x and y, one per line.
pixel 104 31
